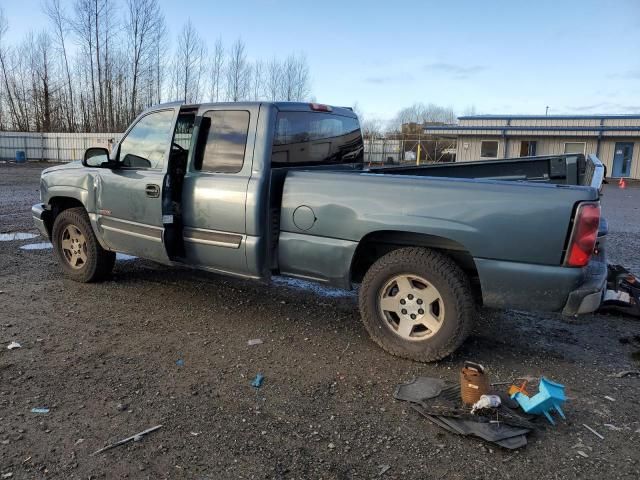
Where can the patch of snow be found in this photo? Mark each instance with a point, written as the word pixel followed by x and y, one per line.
pixel 318 289
pixel 123 257
pixel 12 236
pixel 36 246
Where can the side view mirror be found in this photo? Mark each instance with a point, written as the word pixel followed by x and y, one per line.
pixel 96 157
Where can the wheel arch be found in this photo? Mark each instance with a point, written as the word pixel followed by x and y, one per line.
pixel 57 205
pixel 376 244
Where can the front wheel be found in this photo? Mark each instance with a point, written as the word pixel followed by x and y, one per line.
pixel 77 248
pixel 417 303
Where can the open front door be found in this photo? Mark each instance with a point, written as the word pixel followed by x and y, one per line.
pixel 129 198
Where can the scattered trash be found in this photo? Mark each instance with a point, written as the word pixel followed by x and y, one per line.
pixel 627 373
pixel 593 431
pixel 383 469
pixel 611 399
pixel 582 454
pixel 254 341
pixel 13 346
pixel 550 396
pixel 486 401
pixel 473 382
pixel 40 410
pixel 36 246
pixel 7 475
pixel 135 438
pixel 441 403
pixel 623 292
pixel 79 441
pixel 121 407
pixel 195 434
pixel 180 362
pixel 10 237
pixel 331 446
pixel 257 382
pixel 419 389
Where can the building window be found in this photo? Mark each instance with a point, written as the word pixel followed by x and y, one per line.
pixel 574 147
pixel 528 148
pixel 489 149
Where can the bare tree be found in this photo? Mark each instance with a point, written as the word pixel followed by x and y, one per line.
pixel 96 68
pixel 295 78
pixel 160 45
pixel 273 82
pixel 189 64
pixel 143 20
pixel 257 80
pixel 60 27
pixel 421 113
pixel 237 73
pixel 217 69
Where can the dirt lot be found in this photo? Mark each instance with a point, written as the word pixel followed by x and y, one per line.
pixel 103 358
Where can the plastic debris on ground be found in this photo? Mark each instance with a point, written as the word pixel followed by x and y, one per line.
pixel 254 341
pixel 257 382
pixel 180 362
pixel 13 346
pixel 442 404
pixel 40 410
pixel 550 397
pixel 486 401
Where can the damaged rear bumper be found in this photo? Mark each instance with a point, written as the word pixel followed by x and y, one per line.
pixel 588 296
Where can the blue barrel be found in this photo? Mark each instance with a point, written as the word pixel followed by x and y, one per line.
pixel 21 157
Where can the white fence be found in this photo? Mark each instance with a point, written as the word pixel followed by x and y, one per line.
pixel 52 147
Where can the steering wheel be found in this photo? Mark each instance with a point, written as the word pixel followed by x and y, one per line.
pixel 174 144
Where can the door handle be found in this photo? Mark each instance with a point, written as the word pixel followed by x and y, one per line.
pixel 152 190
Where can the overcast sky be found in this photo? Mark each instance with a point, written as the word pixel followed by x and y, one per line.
pixel 502 57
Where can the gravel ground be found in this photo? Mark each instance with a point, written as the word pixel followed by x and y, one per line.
pixel 103 358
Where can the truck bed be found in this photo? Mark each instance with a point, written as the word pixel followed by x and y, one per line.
pixel 569 169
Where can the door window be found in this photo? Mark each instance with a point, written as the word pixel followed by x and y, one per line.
pixel 146 144
pixel 226 138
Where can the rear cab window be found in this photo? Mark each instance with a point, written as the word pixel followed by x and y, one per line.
pixel 316 138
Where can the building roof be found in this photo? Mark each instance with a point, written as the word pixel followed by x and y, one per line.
pixel 542 125
pixel 549 117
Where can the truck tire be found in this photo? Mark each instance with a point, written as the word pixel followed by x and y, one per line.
pixel 77 248
pixel 417 303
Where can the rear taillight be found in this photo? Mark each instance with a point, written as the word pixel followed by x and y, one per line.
pixel 319 107
pixel 584 235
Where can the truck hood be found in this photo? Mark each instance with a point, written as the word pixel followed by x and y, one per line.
pixel 67 166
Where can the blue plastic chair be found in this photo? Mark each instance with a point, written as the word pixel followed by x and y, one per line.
pixel 550 396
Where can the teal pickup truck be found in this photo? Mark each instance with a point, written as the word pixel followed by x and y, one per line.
pixel 268 188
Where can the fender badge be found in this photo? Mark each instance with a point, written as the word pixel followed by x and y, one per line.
pixel 104 212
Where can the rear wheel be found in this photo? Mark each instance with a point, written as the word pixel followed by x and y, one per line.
pixel 77 248
pixel 417 303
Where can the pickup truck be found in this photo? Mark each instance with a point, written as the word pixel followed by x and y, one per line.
pixel 275 188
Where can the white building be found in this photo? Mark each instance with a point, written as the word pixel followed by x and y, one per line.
pixel 615 139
